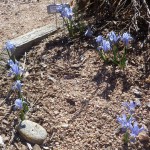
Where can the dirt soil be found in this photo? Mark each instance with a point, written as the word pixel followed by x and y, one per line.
pixel 18 17
pixel 73 94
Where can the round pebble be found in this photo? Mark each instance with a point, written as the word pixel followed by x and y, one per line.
pixel 143 136
pixel 32 132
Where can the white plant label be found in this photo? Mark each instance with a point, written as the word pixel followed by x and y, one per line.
pixel 52 9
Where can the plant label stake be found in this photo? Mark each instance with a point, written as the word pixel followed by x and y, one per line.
pixel 53 9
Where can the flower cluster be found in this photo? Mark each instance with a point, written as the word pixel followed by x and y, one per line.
pixel 16 71
pixel 73 24
pixel 66 11
pixel 113 39
pixel 15 68
pixel 17 86
pixel 111 43
pixel 128 123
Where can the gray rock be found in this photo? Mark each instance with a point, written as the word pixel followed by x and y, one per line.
pixel 32 132
pixel 36 147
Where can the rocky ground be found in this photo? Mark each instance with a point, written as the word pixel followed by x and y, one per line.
pixel 75 96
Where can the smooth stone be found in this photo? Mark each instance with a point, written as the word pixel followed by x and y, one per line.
pixel 32 132
pixel 143 136
pixel 36 147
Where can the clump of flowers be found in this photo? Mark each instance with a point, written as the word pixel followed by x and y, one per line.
pixel 128 124
pixel 73 25
pixel 16 71
pixel 66 11
pixel 110 44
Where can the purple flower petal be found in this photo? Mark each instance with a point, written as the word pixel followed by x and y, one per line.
pixel 18 104
pixel 135 130
pixel 15 69
pixel 10 46
pixel 113 37
pixel 65 11
pixel 126 37
pixel 130 106
pixel 99 39
pixel 105 45
pixel 17 85
pixel 124 121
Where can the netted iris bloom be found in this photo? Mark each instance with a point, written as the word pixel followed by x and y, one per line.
pixel 10 46
pixel 15 69
pixel 11 62
pixel 65 11
pixel 124 121
pixel 130 106
pixel 99 39
pixel 17 85
pixel 18 104
pixel 126 37
pixel 135 130
pixel 105 45
pixel 89 32
pixel 113 37
pixel 59 8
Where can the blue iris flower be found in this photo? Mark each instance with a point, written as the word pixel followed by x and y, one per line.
pixel 89 32
pixel 105 45
pixel 11 62
pixel 130 106
pixel 18 104
pixel 124 121
pixel 15 69
pixel 17 85
pixel 135 130
pixel 113 37
pixel 99 39
pixel 65 11
pixel 126 37
pixel 10 46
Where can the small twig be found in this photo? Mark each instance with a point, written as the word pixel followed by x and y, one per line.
pixel 105 25
pixel 146 6
pixel 120 6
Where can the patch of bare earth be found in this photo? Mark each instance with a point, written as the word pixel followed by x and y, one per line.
pixel 72 93
pixel 76 97
pixel 18 17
